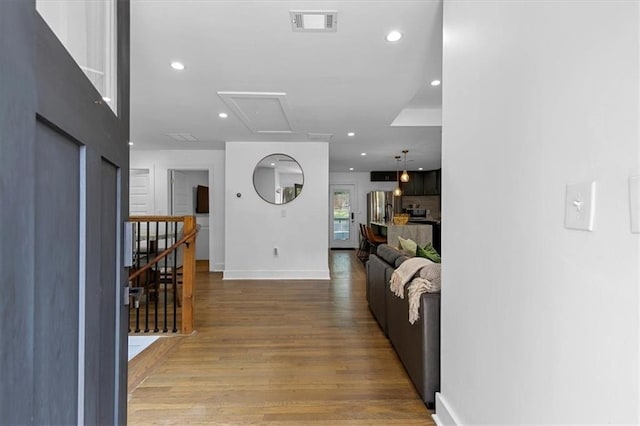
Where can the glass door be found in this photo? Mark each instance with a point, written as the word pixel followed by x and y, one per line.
pixel 342 217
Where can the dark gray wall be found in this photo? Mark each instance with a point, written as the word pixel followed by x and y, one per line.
pixel 63 197
pixel 17 191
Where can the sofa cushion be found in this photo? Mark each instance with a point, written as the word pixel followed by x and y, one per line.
pixel 408 246
pixel 388 253
pixel 428 252
pixel 400 260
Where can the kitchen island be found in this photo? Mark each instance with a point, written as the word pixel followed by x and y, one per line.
pixel 420 232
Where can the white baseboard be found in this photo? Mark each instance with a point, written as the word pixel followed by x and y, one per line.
pixel 444 415
pixel 277 275
pixel 216 267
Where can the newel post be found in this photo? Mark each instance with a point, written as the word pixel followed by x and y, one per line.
pixel 189 276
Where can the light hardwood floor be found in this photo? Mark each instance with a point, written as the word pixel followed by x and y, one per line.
pixel 277 352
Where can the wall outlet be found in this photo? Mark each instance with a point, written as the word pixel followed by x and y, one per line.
pixel 579 206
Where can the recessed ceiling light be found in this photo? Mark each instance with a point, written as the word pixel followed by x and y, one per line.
pixel 223 115
pixel 351 134
pixel 363 153
pixel 394 36
pixel 273 164
pixel 420 168
pixel 177 65
pixel 350 169
pixel 130 143
pixel 435 83
pixel 106 99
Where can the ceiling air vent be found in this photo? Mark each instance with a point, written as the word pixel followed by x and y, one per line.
pixel 182 137
pixel 320 137
pixel 314 20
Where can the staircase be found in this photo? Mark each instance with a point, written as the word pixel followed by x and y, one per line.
pixel 162 277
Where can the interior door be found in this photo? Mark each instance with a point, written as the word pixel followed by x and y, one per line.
pixel 64 173
pixel 342 217
pixel 140 200
pixel 181 194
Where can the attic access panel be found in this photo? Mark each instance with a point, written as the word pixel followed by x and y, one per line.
pixel 261 112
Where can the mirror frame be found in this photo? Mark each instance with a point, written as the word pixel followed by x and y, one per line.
pixel 292 191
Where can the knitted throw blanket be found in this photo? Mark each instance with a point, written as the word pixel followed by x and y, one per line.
pixel 404 273
pixel 415 290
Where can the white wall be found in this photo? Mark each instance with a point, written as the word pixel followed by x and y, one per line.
pixel 160 162
pixel 254 227
pixel 363 185
pixel 539 323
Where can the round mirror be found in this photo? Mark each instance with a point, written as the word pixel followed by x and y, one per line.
pixel 278 178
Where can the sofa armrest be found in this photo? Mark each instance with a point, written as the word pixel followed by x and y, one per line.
pixel 418 344
pixel 376 288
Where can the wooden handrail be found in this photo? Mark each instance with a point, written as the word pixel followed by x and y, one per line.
pixel 156 218
pixel 165 253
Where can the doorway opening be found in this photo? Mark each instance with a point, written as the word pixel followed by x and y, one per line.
pixel 342 220
pixel 189 195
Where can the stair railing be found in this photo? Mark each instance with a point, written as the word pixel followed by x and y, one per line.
pixel 157 264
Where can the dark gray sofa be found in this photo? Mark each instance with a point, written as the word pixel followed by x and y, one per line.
pixel 418 344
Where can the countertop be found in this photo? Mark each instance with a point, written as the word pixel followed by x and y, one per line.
pixel 381 223
pixel 423 221
pixel 421 233
pixel 416 221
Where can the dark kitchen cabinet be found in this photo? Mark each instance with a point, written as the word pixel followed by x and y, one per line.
pixel 415 186
pixel 383 176
pixel 422 183
pixel 431 180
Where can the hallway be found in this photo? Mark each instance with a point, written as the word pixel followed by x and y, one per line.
pixel 275 352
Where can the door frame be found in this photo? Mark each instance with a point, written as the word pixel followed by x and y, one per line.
pixel 352 242
pixel 205 230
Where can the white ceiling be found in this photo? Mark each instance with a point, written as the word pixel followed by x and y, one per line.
pixel 351 80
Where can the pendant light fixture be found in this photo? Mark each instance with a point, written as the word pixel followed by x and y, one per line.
pixel 405 176
pixel 397 192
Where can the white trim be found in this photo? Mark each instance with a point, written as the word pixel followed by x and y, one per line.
pixel 277 275
pixel 110 88
pixel 82 282
pixel 119 293
pixel 217 267
pixel 444 414
pixel 418 117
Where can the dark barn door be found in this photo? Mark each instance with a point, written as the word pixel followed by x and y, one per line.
pixel 64 163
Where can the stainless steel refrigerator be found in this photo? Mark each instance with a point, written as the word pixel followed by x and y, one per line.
pixel 380 206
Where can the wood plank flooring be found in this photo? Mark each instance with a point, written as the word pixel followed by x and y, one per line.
pixel 277 352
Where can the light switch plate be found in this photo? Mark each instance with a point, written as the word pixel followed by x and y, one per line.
pixel 580 206
pixel 634 203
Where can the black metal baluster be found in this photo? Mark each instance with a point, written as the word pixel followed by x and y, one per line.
pixel 137 307
pixel 135 262
pixel 156 278
pixel 174 280
pixel 164 275
pixel 146 287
